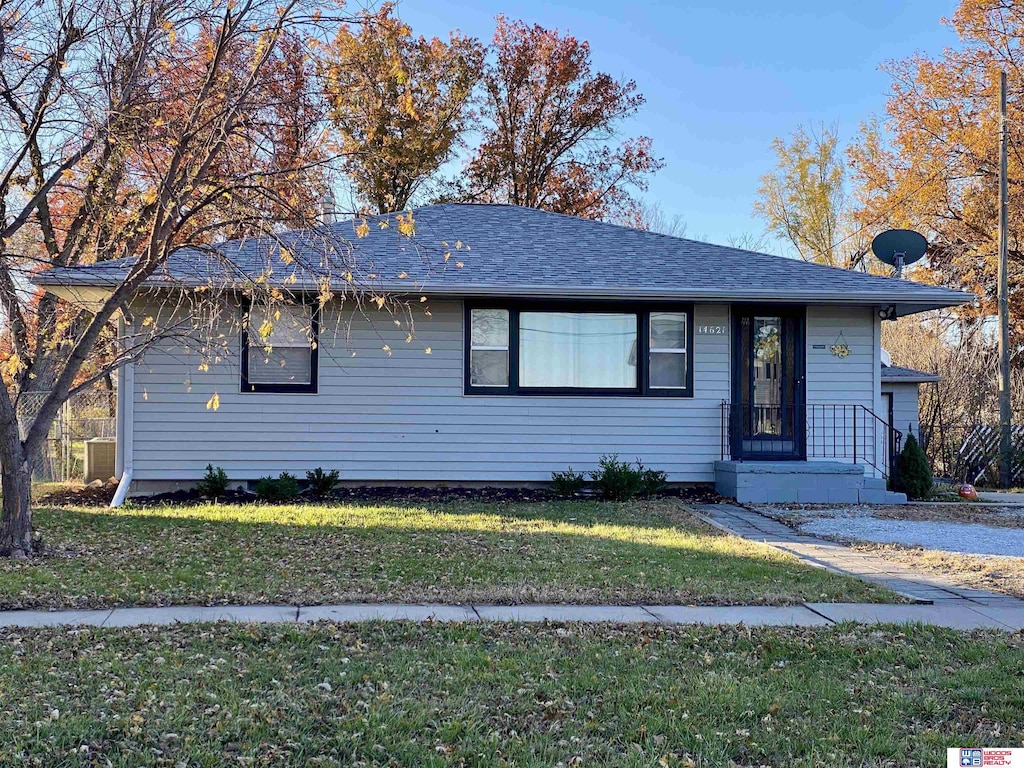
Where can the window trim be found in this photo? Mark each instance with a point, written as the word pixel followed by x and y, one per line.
pixel 641 309
pixel 686 350
pixel 281 388
pixel 507 349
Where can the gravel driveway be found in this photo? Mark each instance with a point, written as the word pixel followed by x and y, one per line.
pixel 928 528
pixel 950 537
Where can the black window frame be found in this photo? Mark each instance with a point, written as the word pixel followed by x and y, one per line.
pixel 282 388
pixel 643 312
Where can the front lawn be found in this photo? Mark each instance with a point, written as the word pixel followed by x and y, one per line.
pixel 561 552
pixel 505 694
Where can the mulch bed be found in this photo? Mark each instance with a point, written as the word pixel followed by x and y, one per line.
pixel 90 496
pixel 87 496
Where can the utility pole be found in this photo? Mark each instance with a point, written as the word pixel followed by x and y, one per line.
pixel 1005 441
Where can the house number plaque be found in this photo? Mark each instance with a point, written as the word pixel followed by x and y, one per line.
pixel 711 330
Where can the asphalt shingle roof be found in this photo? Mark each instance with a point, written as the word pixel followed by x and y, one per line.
pixel 895 373
pixel 514 251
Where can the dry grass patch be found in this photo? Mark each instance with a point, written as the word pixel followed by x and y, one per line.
pixel 979 514
pixel 1004 575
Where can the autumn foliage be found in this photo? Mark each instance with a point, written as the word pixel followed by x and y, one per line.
pixel 549 138
pixel 129 130
pixel 933 163
pixel 401 104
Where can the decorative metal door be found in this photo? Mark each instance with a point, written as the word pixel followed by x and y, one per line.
pixel 767 417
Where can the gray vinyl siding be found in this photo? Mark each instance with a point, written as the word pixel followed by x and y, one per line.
pixel 904 407
pixel 404 417
pixel 844 381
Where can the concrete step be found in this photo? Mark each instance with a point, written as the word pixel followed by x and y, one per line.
pixel 806 482
pixel 881 496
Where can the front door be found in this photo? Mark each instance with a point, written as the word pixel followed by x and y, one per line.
pixel 767 413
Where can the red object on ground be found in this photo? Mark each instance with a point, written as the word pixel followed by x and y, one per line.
pixel 967 491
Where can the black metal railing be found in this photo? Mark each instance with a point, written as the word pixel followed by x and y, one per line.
pixel 841 431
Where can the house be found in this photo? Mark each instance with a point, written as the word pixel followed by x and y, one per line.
pixel 525 342
pixel 900 397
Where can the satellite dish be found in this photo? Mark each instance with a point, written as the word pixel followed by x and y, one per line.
pixel 899 247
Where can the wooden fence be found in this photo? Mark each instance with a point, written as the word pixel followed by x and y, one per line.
pixel 976 459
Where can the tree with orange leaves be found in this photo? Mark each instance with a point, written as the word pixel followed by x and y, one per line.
pixel 401 104
pixel 933 164
pixel 130 129
pixel 549 139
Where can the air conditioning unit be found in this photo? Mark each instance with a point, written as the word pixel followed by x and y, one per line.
pixel 100 453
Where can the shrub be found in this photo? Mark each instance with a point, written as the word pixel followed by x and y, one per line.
pixel 276 489
pixel 913 475
pixel 321 483
pixel 615 480
pixel 567 484
pixel 214 482
pixel 620 481
pixel 652 481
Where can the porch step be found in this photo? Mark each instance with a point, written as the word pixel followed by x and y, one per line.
pixel 802 482
pixel 876 496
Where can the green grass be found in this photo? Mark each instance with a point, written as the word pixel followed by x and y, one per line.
pixel 567 552
pixel 501 694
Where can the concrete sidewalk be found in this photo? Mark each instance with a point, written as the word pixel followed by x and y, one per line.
pixel 806 615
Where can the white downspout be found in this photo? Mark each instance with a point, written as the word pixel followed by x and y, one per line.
pixel 126 428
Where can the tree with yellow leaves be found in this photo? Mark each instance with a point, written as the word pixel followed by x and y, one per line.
pixel 400 103
pixel 805 200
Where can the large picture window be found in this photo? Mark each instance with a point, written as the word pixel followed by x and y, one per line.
pixel 578 350
pixel 279 349
pixel 531 348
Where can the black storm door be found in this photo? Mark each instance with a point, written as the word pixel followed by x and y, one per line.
pixel 767 415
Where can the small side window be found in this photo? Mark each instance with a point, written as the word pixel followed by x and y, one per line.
pixel 669 356
pixel 488 352
pixel 280 353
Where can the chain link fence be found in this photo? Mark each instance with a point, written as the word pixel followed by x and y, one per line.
pixel 86 415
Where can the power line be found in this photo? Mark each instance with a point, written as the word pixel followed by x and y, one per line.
pixel 892 206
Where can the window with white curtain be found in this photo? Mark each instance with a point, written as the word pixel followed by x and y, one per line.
pixel 281 349
pixel 577 350
pixel 534 347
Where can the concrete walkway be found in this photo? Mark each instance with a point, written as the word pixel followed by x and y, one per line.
pixel 928 588
pixel 1002 497
pixel 806 615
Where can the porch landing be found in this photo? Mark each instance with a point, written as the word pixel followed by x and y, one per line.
pixel 802 482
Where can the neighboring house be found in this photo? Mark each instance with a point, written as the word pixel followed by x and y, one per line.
pixel 552 340
pixel 900 393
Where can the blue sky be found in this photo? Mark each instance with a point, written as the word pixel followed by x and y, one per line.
pixel 722 79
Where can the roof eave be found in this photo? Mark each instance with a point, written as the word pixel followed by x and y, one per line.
pixel 924 378
pixel 904 305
